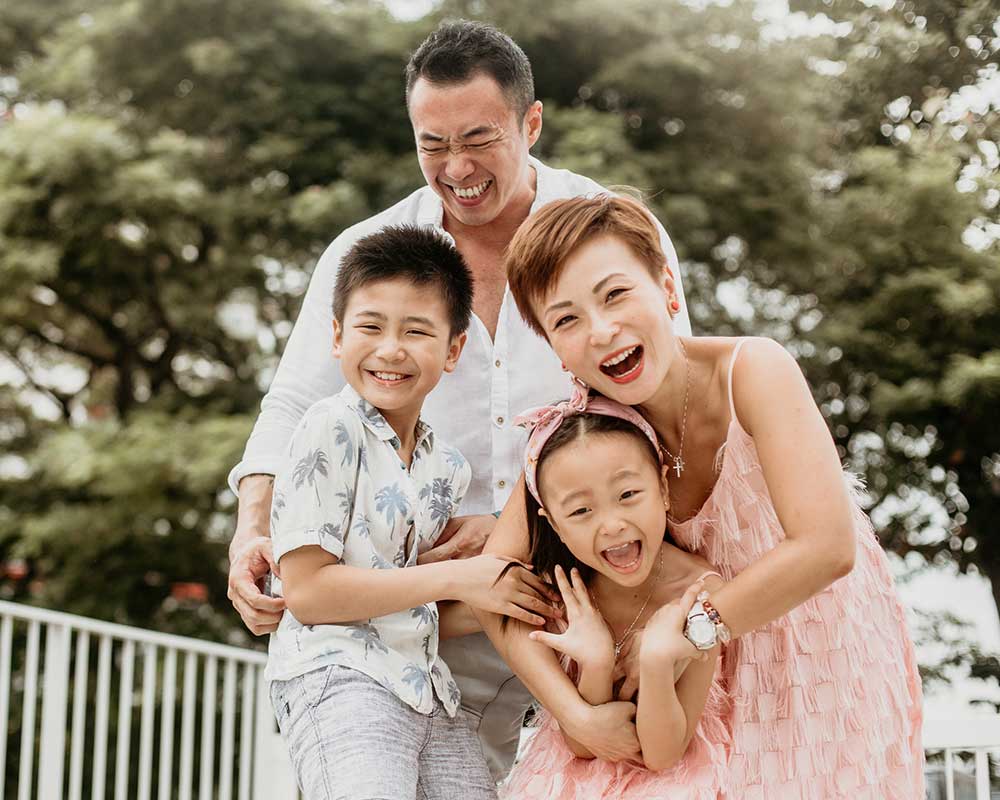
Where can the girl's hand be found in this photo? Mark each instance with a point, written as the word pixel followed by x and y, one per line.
pixel 664 638
pixel 587 639
pixel 503 585
pixel 627 666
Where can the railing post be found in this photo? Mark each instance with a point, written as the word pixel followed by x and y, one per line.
pixel 55 685
pixel 273 773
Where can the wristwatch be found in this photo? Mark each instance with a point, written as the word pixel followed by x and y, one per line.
pixel 700 630
pixel 704 626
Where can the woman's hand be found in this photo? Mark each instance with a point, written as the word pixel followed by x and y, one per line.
pixel 504 585
pixel 664 638
pixel 587 639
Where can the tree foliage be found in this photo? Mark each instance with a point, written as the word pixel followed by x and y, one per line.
pixel 171 170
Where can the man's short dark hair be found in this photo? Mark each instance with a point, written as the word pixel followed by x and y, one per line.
pixel 459 50
pixel 414 253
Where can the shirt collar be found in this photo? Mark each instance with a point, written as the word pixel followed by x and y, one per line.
pixel 373 420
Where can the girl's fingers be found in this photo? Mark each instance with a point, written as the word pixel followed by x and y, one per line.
pixel 688 598
pixel 568 596
pixel 580 588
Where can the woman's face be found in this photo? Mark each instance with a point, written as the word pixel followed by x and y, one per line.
pixel 607 320
pixel 604 496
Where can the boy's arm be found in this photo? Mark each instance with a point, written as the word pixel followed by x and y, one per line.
pixel 319 590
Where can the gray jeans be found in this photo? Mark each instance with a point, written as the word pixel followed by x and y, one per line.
pixel 352 739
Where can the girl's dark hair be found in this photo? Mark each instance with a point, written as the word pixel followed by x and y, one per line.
pixel 547 549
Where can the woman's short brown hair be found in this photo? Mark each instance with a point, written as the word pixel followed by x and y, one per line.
pixel 547 238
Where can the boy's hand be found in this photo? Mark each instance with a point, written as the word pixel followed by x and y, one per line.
pixel 462 537
pixel 518 593
pixel 587 639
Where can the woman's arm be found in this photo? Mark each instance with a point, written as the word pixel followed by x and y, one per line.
pixel 606 730
pixel 805 481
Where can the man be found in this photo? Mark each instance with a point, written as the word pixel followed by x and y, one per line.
pixel 470 96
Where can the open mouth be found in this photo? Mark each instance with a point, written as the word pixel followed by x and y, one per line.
pixel 624 557
pixel 623 365
pixel 388 378
pixel 470 195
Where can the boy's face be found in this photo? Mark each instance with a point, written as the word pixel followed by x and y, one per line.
pixel 393 344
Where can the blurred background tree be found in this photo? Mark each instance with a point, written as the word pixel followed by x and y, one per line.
pixel 170 171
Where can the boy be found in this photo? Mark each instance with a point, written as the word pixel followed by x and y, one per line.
pixel 364 701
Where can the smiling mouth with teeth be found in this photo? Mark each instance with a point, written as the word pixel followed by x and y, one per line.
pixel 389 377
pixel 472 192
pixel 622 364
pixel 625 557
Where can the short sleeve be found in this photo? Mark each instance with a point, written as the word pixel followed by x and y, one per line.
pixel 314 489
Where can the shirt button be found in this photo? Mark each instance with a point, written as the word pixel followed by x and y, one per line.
pixel 501 483
pixel 497 362
pixel 499 420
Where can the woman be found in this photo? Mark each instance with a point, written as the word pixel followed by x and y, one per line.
pixel 820 668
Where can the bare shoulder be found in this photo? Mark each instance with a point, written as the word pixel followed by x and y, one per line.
pixel 767 382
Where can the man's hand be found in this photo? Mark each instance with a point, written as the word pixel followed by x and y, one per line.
pixel 608 731
pixel 250 557
pixel 462 537
pixel 260 613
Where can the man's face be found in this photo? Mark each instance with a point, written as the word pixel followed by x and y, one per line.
pixel 490 174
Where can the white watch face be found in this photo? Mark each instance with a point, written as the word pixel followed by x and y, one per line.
pixel 701 632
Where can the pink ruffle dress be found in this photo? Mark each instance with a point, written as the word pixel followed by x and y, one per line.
pixel 548 770
pixel 826 701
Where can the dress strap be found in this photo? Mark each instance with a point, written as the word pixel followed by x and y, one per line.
pixel 732 368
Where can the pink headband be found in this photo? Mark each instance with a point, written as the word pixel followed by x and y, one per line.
pixel 546 420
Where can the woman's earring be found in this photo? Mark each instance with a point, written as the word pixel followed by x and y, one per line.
pixel 675 305
pixel 564 368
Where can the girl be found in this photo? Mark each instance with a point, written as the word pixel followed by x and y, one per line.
pixel 821 670
pixel 604 527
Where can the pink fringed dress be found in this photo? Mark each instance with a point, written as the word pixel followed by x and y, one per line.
pixel 826 701
pixel 548 770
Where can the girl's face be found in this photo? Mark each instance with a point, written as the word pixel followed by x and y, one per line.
pixel 607 319
pixel 605 498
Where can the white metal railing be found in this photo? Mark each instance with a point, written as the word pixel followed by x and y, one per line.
pixel 977 736
pixel 236 754
pixel 186 750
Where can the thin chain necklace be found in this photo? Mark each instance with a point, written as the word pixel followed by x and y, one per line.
pixel 619 643
pixel 678 459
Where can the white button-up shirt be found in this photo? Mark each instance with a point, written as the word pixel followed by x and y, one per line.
pixel 344 488
pixel 472 407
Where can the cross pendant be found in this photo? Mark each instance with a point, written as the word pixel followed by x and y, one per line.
pixel 678 466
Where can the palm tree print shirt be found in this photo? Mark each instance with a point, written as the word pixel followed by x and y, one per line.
pixel 343 487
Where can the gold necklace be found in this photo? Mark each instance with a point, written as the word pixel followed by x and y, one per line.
pixel 678 459
pixel 621 642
